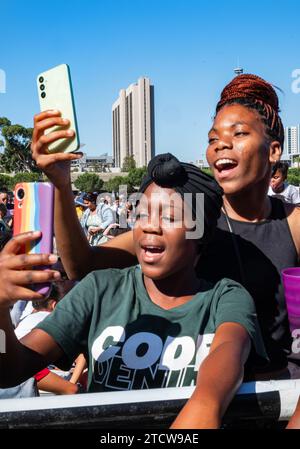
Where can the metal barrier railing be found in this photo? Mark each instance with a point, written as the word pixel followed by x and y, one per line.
pixel 156 408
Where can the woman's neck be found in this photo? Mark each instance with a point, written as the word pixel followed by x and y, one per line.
pixel 174 290
pixel 254 205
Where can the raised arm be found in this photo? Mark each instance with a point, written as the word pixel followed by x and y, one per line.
pixel 219 377
pixel 78 257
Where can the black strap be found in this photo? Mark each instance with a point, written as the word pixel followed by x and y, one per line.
pixel 236 249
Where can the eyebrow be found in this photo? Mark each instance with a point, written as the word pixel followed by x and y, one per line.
pixel 231 126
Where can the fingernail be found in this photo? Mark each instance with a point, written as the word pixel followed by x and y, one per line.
pixel 65 120
pixel 70 132
pixel 57 275
pixel 53 258
pixel 54 111
pixel 36 233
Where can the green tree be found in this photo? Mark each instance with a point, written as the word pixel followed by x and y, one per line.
pixel 128 164
pixel 135 176
pixel 88 182
pixel 207 170
pixel 17 154
pixel 294 176
pixel 5 181
pixel 24 177
pixel 114 183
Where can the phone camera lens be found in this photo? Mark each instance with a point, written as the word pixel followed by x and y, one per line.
pixel 41 79
pixel 42 86
pixel 43 94
pixel 20 194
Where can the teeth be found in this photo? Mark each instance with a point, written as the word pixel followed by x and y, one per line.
pixel 152 248
pixel 225 161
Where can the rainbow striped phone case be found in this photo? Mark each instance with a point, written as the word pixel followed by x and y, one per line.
pixel 33 211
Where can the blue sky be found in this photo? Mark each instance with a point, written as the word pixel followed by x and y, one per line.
pixel 187 48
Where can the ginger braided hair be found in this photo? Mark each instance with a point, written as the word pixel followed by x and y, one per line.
pixel 253 92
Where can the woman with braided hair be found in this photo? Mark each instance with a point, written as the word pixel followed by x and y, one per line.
pixel 256 236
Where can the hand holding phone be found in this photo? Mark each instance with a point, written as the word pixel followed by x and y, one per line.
pixel 33 211
pixel 56 93
pixel 17 272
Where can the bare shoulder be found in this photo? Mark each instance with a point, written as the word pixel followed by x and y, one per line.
pixel 293 218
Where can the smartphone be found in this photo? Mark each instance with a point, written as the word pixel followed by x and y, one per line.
pixel 55 92
pixel 33 211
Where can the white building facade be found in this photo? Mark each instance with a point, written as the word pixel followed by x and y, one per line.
pixel 133 124
pixel 291 142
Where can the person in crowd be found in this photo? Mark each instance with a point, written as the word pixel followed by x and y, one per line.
pixel 108 200
pixel 130 214
pixel 257 235
pixel 116 210
pixel 3 195
pixel 95 219
pixel 127 215
pixel 135 320
pixel 111 232
pixel 4 199
pixel 80 206
pixel 280 188
pixel 5 228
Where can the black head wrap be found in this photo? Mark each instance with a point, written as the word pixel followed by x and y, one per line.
pixel 165 170
pixel 90 197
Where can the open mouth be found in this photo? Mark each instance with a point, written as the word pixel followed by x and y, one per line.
pixel 225 166
pixel 152 253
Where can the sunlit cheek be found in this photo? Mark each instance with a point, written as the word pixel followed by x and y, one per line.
pixel 208 156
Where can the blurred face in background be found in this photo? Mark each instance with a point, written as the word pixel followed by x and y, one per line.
pixel 90 205
pixel 3 198
pixel 277 181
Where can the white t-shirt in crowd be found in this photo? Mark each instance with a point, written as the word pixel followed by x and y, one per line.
pixel 27 310
pixel 29 322
pixel 290 194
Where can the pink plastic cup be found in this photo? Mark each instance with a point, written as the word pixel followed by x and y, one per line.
pixel 291 284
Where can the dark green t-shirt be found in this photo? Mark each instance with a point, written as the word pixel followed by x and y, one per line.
pixel 132 343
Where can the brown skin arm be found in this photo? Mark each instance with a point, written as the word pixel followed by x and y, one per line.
pixel 56 384
pixel 293 218
pixel 219 377
pixel 77 256
pixel 79 368
pixel 23 359
pixel 295 419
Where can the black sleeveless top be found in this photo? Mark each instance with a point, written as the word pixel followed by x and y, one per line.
pixel 265 248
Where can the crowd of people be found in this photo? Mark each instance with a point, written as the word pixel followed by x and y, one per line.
pixel 152 308
pixel 103 218
pixel 6 216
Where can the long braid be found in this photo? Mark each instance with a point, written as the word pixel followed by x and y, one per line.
pixel 254 92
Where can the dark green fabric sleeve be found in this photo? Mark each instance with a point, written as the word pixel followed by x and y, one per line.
pixel 69 324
